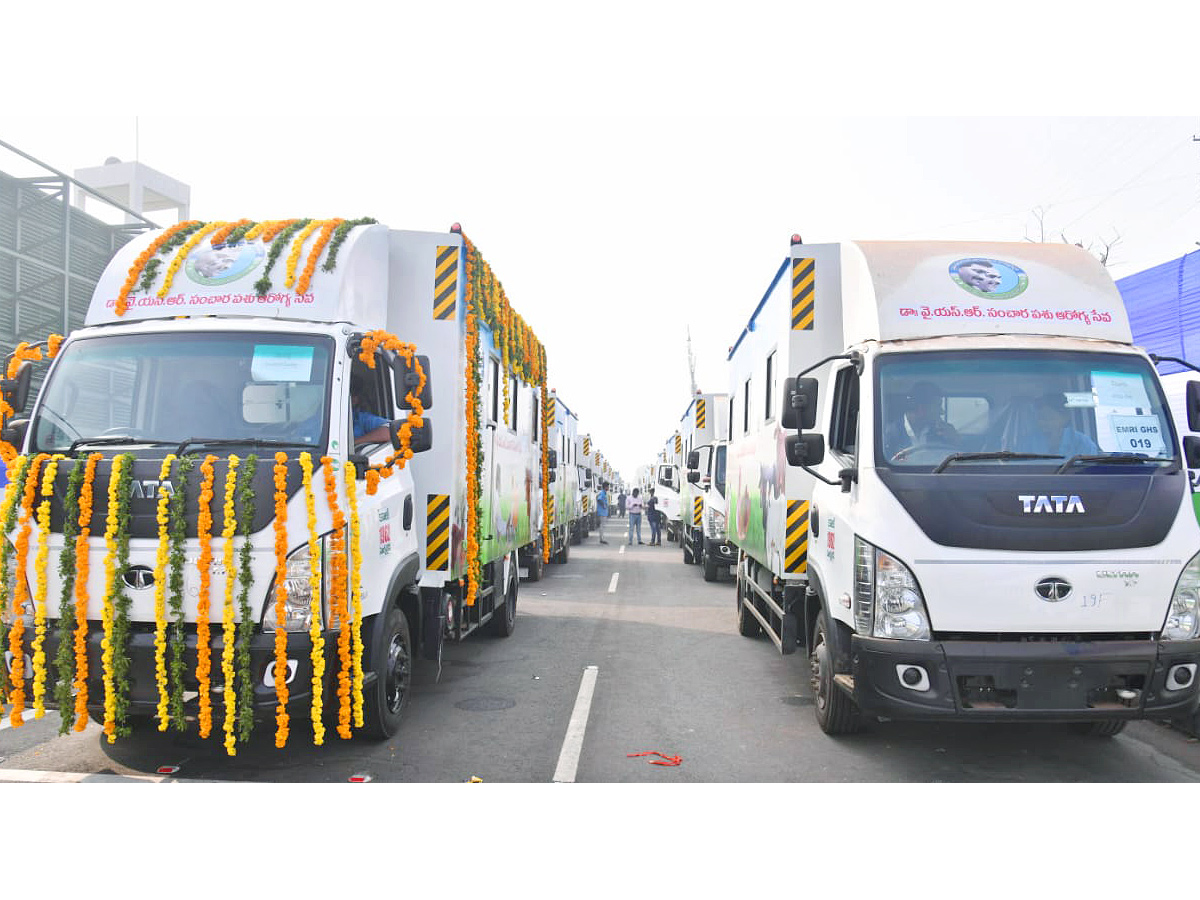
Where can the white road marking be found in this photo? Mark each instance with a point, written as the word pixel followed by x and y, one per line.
pixel 612 584
pixel 568 757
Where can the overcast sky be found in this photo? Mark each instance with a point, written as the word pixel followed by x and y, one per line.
pixel 635 171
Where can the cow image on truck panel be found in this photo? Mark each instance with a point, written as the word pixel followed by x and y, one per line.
pixel 236 498
pixel 938 454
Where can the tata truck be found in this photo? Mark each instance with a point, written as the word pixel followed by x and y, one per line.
pixel 956 485
pixel 242 447
pixel 705 426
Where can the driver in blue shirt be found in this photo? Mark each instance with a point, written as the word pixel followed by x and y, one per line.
pixel 368 427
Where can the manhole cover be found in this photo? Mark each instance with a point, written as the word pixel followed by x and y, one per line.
pixel 485 704
pixel 798 701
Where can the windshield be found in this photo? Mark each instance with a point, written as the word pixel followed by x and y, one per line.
pixel 1054 410
pixel 169 388
pixel 719 470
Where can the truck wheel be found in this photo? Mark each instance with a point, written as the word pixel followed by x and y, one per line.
pixel 836 713
pixel 392 662
pixel 1107 728
pixel 687 553
pixel 535 563
pixel 710 567
pixel 748 626
pixel 504 619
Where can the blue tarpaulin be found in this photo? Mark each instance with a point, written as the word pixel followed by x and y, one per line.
pixel 1164 309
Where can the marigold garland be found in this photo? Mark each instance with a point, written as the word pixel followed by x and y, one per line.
pixel 339 236
pixel 49 474
pixel 279 240
pixel 116 534
pixel 310 267
pixel 371 341
pixel 337 600
pixel 177 560
pixel 297 248
pixel 547 493
pixel 222 234
pixel 246 624
pixel 356 560
pixel 228 623
pixel 314 586
pixel 163 518
pixel 8 517
pixel 204 523
pixel 82 566
pixel 21 591
pixel 281 547
pixel 182 253
pixel 146 255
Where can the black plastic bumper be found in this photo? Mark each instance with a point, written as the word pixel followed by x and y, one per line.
pixel 143 686
pixel 1031 681
pixel 722 552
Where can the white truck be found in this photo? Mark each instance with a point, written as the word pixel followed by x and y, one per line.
pixel 585 490
pixel 705 426
pixel 252 388
pixel 667 486
pixel 562 426
pixel 984 515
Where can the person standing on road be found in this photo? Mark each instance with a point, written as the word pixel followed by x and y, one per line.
pixel 601 511
pixel 621 503
pixel 652 519
pixel 635 516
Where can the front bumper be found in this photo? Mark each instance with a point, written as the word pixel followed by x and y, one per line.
pixel 143 686
pixel 1030 681
pixel 723 552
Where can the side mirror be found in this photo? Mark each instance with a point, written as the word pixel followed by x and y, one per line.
pixel 407 379
pixel 14 432
pixel 1193 405
pixel 799 403
pixel 421 439
pixel 16 390
pixel 693 460
pixel 553 460
pixel 1191 449
pixel 693 476
pixel 805 449
pixel 553 476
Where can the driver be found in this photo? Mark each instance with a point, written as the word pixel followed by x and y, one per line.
pixel 921 425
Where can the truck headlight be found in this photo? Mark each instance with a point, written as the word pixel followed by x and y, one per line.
pixel 888 600
pixel 1183 618
pixel 297 605
pixel 716 525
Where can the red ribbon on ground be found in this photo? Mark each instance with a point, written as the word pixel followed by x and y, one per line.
pixel 665 761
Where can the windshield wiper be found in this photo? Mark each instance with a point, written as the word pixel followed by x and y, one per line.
pixel 237 442
pixel 105 440
pixel 1123 458
pixel 998 454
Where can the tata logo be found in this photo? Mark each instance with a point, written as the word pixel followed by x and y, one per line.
pixel 1054 589
pixel 139 578
pixel 1054 503
pixel 149 489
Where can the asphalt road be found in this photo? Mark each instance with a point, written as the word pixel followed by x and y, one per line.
pixel 651 653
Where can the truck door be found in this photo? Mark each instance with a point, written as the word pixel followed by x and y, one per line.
pixel 832 519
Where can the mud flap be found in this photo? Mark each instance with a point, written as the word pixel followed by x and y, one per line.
pixel 789 630
pixel 433 625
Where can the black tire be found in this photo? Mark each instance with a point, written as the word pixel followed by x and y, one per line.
pixel 687 554
pixel 536 562
pixel 1106 728
pixel 748 626
pixel 392 661
pixel 836 712
pixel 504 618
pixel 711 572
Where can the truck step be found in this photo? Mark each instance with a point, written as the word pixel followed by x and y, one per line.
pixel 845 682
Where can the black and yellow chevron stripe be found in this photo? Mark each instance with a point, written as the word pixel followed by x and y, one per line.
pixel 803 294
pixel 437 532
pixel 795 545
pixel 445 283
pixel 697 511
pixel 701 413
